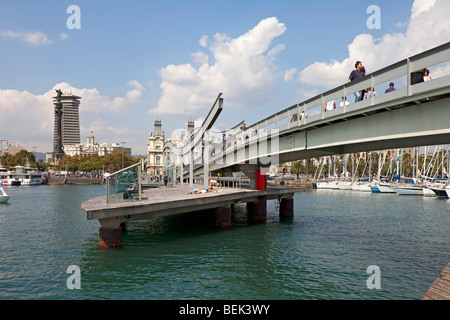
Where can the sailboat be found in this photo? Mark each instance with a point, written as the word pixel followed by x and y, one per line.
pixel 378 185
pixel 438 185
pixel 323 184
pixel 362 184
pixel 345 185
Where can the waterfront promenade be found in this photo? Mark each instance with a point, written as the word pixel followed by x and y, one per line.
pixel 164 201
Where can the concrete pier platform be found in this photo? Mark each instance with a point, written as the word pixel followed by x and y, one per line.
pixel 169 201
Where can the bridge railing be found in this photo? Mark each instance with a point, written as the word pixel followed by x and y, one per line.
pixel 342 97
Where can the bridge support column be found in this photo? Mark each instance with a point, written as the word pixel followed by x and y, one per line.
pixel 257 210
pixel 256 175
pixel 286 208
pixel 223 217
pixel 110 233
pixel 110 238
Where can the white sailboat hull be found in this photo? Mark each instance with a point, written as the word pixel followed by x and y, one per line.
pixel 345 185
pixel 447 189
pixel 412 191
pixel 429 193
pixel 385 189
pixel 333 185
pixel 322 185
pixel 365 187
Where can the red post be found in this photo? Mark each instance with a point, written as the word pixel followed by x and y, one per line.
pixel 260 178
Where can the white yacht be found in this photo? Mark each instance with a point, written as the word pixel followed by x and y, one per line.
pixel 22 176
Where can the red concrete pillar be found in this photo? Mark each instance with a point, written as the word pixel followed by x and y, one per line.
pixel 257 210
pixel 223 217
pixel 260 178
pixel 286 208
pixel 110 238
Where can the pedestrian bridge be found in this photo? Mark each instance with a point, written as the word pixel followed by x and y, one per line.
pixel 417 113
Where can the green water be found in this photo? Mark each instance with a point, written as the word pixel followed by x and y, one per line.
pixel 323 253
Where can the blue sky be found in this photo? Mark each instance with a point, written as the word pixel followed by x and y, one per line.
pixel 135 61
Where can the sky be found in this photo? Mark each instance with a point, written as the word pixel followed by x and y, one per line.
pixel 134 62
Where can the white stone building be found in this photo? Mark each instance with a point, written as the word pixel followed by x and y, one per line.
pixel 92 147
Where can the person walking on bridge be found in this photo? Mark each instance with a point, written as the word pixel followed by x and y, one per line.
pixel 358 73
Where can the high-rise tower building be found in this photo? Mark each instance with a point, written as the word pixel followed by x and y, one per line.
pixel 69 120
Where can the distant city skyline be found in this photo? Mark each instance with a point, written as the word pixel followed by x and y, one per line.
pixel 136 62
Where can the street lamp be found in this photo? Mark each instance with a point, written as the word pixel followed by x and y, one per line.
pixel 1 151
pixel 123 144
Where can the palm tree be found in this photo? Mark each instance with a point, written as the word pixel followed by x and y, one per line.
pixel 297 167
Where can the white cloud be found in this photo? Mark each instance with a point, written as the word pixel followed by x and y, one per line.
pixel 203 41
pixel 64 36
pixel 421 6
pixel 289 74
pixel 200 58
pixel 32 115
pixel 36 38
pixel 427 28
pixel 242 70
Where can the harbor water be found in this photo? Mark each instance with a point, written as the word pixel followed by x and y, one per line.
pixel 324 252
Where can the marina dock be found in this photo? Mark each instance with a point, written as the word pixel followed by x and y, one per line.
pixel 157 202
pixel 440 289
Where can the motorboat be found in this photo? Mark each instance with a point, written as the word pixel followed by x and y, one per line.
pixel 4 197
pixel 22 176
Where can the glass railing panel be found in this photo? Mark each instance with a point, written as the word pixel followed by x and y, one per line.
pixel 120 181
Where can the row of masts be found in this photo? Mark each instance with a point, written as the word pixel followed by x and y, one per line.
pixel 426 163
